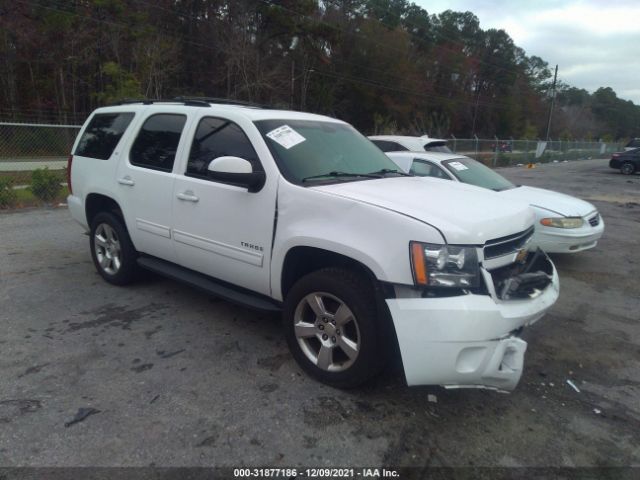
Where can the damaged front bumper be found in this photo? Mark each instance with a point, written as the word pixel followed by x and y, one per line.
pixel 472 340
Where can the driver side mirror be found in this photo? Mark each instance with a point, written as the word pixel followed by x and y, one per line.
pixel 236 171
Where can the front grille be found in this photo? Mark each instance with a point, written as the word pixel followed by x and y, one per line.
pixel 595 220
pixel 521 280
pixel 506 245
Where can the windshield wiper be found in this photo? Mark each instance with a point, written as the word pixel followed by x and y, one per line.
pixel 341 174
pixel 385 171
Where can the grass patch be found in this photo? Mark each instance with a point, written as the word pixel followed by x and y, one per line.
pixel 25 198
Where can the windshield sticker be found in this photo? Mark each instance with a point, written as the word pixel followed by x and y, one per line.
pixel 286 136
pixel 458 166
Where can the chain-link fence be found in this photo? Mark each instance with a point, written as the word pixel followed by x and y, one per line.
pixel 33 158
pixel 503 153
pixel 33 161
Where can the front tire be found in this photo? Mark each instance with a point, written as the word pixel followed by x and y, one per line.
pixel 627 168
pixel 112 251
pixel 332 327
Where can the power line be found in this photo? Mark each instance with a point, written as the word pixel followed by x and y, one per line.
pixel 344 77
pixel 441 35
pixel 333 60
pixel 113 24
pixel 120 25
pixel 373 83
pixel 358 34
pixel 478 60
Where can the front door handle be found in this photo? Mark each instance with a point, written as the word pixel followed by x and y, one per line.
pixel 126 181
pixel 188 196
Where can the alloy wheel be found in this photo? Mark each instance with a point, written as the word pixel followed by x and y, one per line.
pixel 327 331
pixel 107 249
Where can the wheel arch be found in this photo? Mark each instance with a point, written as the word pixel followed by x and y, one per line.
pixel 97 202
pixel 301 260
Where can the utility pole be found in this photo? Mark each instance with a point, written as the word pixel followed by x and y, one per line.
pixel 553 101
pixel 293 83
pixel 475 111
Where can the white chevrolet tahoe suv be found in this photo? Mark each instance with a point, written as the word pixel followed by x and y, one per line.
pixel 300 213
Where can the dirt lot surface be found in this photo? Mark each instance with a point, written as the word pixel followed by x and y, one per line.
pixel 177 378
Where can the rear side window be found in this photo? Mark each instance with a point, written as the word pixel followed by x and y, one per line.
pixel 635 143
pixel 437 147
pixel 157 142
pixel 102 135
pixel 387 146
pixel 217 137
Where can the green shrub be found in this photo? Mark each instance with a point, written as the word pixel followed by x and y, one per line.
pixel 8 195
pixel 45 184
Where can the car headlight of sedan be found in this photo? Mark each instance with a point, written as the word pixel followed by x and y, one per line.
pixel 563 222
pixel 436 265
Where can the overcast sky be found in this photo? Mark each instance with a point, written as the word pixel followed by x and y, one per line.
pixel 596 43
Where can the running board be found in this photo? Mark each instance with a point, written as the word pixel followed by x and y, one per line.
pixel 209 285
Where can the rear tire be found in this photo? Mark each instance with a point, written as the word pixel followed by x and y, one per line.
pixel 332 327
pixel 627 168
pixel 112 251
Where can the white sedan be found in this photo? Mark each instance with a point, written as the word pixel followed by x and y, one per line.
pixel 564 224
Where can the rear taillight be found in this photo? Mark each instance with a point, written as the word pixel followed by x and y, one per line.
pixel 615 155
pixel 69 162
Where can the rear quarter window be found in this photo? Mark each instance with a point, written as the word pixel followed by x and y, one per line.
pixel 388 146
pixel 102 135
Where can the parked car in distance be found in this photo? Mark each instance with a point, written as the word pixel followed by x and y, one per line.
pixel 399 143
pixel 564 224
pixel 633 144
pixel 628 161
pixel 502 147
pixel 299 213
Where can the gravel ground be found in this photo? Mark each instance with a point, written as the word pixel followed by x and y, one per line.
pixel 181 379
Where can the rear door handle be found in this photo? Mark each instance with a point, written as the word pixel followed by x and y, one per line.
pixel 126 181
pixel 188 196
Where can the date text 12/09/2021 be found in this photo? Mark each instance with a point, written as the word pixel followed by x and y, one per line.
pixel 348 473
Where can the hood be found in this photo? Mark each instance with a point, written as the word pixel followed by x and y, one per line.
pixel 565 205
pixel 464 214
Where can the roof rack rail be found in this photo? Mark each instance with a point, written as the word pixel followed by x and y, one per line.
pixel 188 101
pixel 126 101
pixel 220 101
pixel 144 101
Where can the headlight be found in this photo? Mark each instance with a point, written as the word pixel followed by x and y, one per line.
pixel 444 265
pixel 563 222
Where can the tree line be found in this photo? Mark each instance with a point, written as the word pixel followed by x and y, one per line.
pixel 385 66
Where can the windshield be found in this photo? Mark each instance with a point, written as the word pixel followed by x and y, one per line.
pixel 314 151
pixel 475 173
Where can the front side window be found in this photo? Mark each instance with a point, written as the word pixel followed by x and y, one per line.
pixel 309 151
pixel 475 173
pixel 102 135
pixel 217 137
pixel 157 142
pixel 427 169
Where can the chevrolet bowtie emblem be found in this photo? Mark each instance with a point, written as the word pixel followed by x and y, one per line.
pixel 522 255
